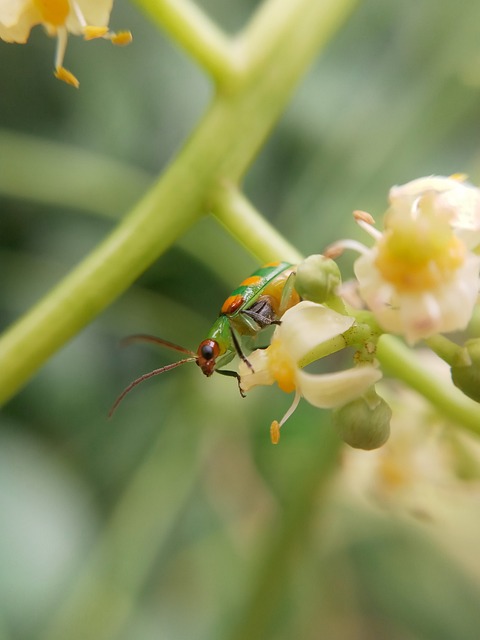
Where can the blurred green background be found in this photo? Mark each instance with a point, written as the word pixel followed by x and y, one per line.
pixel 178 519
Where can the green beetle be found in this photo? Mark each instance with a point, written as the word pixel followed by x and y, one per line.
pixel 258 302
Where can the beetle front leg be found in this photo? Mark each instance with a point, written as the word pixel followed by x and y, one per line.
pixel 233 374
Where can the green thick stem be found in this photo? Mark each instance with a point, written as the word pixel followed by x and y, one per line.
pixel 196 34
pixel 221 149
pixel 242 220
pixel 451 353
pixel 401 362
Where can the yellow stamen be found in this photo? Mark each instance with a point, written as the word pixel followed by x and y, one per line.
pixel 91 32
pixel 459 177
pixel 410 275
pixel 53 12
pixel 363 216
pixel 121 38
pixel 275 432
pixel 419 253
pixel 66 76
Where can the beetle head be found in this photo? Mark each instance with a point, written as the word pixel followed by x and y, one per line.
pixel 207 354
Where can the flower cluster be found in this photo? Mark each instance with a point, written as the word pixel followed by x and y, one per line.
pixel 307 331
pixel 59 18
pixel 420 278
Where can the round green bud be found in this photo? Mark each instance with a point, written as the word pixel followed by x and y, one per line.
pixel 363 423
pixel 467 377
pixel 317 279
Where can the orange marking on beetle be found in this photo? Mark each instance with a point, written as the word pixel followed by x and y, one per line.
pixel 271 264
pixel 251 280
pixel 232 304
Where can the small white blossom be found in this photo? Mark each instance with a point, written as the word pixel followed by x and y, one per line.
pixel 305 330
pixel 422 277
pixel 59 17
pixel 461 200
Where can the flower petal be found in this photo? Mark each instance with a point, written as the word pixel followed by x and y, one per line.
pixel 261 373
pixel 11 10
pixel 446 308
pixel 308 325
pixel 95 12
pixel 415 188
pixel 330 390
pixel 461 200
pixel 17 17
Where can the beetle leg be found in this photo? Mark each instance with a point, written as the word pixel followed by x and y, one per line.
pixel 233 374
pixel 239 351
pixel 262 312
pixel 260 319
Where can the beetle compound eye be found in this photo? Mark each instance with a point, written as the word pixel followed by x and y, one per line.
pixel 207 351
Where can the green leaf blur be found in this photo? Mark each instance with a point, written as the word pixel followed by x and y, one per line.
pixel 177 518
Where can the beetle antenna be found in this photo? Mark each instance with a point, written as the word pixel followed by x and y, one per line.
pixel 143 337
pixel 146 376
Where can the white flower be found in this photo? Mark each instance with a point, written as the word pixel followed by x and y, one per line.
pixel 59 17
pixel 422 277
pixel 308 332
pixel 453 195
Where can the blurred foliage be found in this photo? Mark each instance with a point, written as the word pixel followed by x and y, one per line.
pixel 178 519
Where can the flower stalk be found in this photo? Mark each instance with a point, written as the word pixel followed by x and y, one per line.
pixel 221 149
pixel 192 29
pixel 400 362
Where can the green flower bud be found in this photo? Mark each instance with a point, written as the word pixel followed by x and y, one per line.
pixel 363 423
pixel 467 377
pixel 317 279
